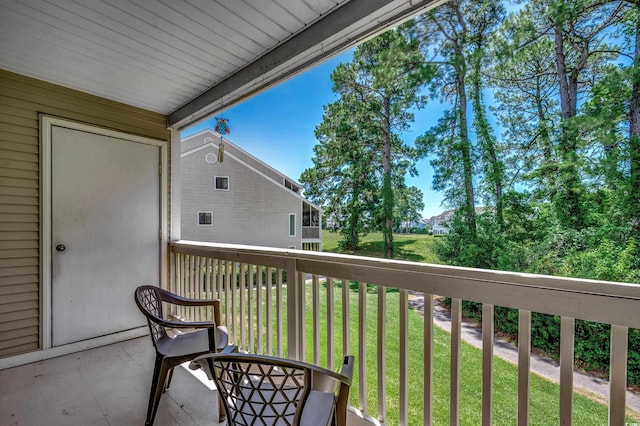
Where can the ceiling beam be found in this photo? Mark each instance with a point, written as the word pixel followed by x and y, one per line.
pixel 361 18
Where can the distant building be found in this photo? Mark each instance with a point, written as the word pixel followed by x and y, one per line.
pixel 440 223
pixel 230 196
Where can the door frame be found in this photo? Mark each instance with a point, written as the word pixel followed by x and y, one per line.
pixel 46 125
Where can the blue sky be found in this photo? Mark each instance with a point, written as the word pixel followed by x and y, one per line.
pixel 277 126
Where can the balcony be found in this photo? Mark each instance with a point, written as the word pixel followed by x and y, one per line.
pixel 288 302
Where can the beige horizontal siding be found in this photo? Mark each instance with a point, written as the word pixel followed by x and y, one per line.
pixel 30 286
pixel 22 100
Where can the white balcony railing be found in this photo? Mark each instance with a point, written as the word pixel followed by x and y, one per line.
pixel 271 295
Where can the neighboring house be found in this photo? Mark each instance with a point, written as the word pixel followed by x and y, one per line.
pixel 440 223
pixel 241 199
pixel 407 227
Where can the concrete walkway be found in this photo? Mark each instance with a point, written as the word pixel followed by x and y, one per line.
pixel 591 386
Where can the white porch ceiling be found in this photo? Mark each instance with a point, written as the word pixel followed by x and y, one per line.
pixel 184 58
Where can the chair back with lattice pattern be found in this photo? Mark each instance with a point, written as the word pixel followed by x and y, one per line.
pixel 270 391
pixel 258 392
pixel 149 301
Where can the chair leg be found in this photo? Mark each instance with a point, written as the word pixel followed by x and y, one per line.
pixel 222 413
pixel 169 377
pixel 160 371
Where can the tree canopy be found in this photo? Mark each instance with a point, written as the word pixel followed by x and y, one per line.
pixel 541 130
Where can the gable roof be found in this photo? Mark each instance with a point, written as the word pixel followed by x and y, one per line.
pixel 185 59
pixel 209 139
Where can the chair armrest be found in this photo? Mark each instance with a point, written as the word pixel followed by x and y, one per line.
pixel 230 349
pixel 184 324
pixel 347 367
pixel 183 301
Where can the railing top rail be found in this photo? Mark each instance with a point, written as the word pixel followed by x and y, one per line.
pixel 602 301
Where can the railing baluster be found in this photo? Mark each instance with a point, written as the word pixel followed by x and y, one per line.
pixel 279 311
pixel 315 312
pixel 567 332
pixel 250 344
pixel 192 267
pixel 456 345
pixel 302 300
pixel 198 288
pixel 182 290
pixel 404 354
pixel 174 274
pixel 207 279
pixel 227 293
pixel 330 323
pixel 219 278
pixel 382 346
pixel 524 363
pixel 428 359
pixel 190 309
pixel 346 319
pixel 243 285
pixel 618 374
pixel 174 283
pixel 487 363
pixel 269 307
pixel 259 322
pixel 362 345
pixel 234 307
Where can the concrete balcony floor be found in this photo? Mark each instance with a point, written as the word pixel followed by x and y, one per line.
pixel 103 386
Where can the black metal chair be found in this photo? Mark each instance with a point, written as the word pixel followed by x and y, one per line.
pixel 172 351
pixel 264 390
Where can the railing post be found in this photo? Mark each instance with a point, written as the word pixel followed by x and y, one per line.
pixel 455 358
pixel 618 374
pixel 524 365
pixel 487 363
pixel 295 311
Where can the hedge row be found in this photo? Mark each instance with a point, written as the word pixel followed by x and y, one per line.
pixel 591 345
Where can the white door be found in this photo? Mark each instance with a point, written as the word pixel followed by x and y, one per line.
pixel 105 220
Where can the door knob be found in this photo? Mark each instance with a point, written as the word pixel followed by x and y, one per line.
pixel 61 247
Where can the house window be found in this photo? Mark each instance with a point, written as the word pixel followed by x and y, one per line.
pixel 222 183
pixel 292 224
pixel 291 186
pixel 205 218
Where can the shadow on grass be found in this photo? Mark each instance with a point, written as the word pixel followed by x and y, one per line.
pixel 403 250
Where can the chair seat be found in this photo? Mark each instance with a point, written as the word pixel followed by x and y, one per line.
pixel 319 408
pixel 196 342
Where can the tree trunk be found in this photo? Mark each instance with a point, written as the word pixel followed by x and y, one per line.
pixel 567 201
pixel 387 190
pixel 634 134
pixel 494 168
pixel 465 147
pixel 548 166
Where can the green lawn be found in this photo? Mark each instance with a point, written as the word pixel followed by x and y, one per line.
pixel 414 247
